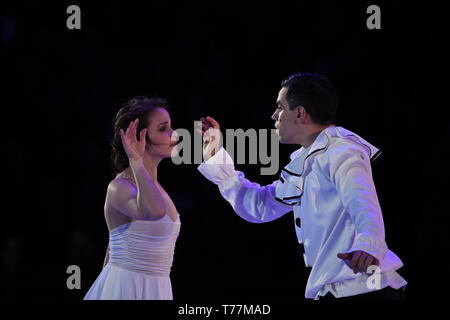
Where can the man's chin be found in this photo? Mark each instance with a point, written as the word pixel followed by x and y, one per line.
pixel 284 140
pixel 280 138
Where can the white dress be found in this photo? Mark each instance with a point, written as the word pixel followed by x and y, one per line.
pixel 140 259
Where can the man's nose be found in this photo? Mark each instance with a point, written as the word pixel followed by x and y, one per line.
pixel 275 116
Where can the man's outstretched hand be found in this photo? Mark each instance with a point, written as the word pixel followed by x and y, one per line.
pixel 210 130
pixel 359 261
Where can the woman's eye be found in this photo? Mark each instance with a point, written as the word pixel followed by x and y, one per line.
pixel 162 129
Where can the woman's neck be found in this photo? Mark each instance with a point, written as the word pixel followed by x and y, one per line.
pixel 151 164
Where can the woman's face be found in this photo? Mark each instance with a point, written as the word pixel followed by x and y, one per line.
pixel 161 134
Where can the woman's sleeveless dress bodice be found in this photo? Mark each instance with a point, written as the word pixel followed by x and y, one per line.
pixel 140 259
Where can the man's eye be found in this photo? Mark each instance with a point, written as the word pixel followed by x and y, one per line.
pixel 162 129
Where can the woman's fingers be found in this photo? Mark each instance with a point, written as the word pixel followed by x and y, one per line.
pixel 129 136
pixel 135 124
pixel 122 136
pixel 128 133
pixel 134 145
pixel 142 135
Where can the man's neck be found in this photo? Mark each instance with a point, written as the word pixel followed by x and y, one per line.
pixel 311 134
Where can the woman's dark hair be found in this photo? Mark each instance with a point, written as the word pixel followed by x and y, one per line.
pixel 315 93
pixel 139 107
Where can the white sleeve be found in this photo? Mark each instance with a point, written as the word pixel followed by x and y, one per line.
pixel 352 175
pixel 249 200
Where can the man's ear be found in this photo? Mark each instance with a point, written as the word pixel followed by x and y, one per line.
pixel 300 111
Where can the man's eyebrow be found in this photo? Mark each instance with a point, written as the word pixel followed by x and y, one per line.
pixel 165 122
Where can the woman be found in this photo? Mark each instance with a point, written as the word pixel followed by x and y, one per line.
pixel 142 220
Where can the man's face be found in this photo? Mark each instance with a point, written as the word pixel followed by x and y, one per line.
pixel 285 119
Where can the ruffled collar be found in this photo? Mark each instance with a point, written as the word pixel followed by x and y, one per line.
pixel 290 190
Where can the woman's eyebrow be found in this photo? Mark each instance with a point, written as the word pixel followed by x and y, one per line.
pixel 165 122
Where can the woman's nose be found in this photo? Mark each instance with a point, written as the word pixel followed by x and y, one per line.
pixel 173 134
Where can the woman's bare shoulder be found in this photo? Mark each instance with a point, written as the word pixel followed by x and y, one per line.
pixel 121 184
pixel 120 190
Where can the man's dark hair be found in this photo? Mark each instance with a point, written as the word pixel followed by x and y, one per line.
pixel 315 93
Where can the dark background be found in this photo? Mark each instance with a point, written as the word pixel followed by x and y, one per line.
pixel 61 88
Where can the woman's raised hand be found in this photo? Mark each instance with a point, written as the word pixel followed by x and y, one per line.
pixel 135 149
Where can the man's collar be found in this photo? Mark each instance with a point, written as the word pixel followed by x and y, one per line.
pixel 323 139
pixel 320 142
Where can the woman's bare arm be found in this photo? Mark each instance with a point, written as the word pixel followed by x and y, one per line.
pixel 149 199
pixel 146 201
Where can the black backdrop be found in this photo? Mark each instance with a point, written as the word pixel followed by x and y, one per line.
pixel 60 88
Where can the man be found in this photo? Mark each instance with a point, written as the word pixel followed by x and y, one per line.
pixel 329 186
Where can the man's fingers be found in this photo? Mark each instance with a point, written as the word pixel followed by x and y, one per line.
pixel 368 263
pixel 205 127
pixel 343 256
pixel 206 124
pixel 362 262
pixel 355 261
pixel 199 125
pixel 214 123
pixel 199 131
pixel 359 260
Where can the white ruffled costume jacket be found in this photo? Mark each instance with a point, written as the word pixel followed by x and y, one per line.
pixel 329 187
